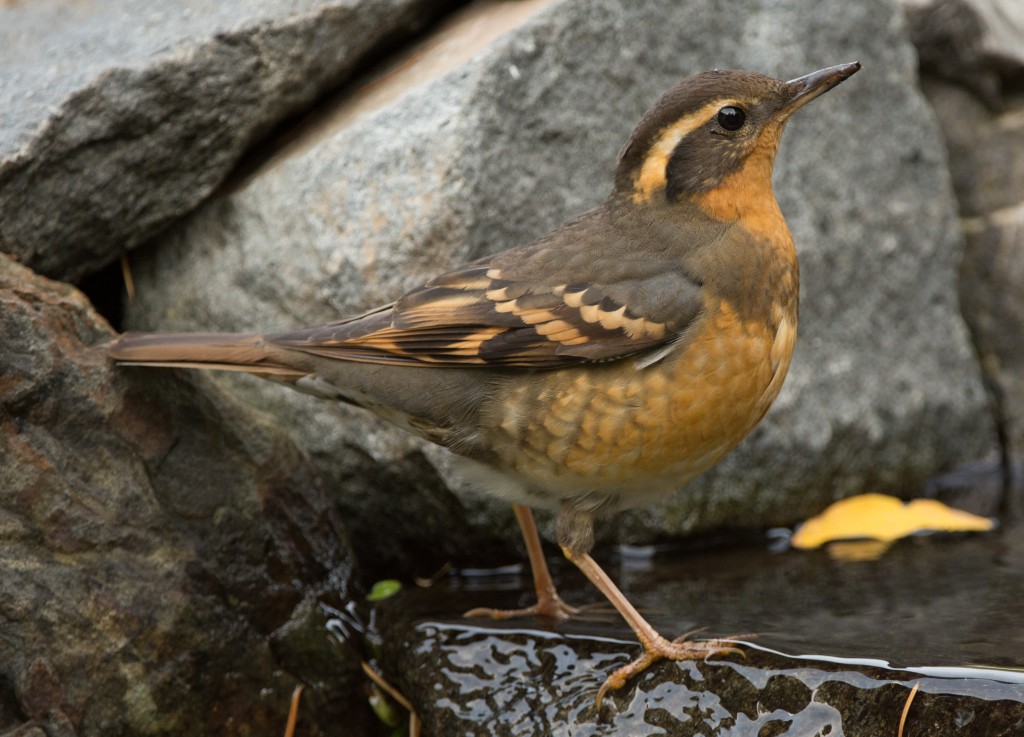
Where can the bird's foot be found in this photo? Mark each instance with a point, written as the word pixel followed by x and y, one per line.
pixel 661 649
pixel 549 607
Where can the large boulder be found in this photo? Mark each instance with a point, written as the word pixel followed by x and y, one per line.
pixel 974 43
pixel 117 118
pixel 972 63
pixel 166 552
pixel 451 155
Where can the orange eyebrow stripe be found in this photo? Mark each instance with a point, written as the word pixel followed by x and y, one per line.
pixel 652 172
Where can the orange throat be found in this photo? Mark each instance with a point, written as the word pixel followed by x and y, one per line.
pixel 746 196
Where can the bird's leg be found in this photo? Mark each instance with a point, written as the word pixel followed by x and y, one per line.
pixel 575 535
pixel 549 604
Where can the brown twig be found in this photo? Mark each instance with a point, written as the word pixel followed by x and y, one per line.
pixel 906 709
pixel 414 721
pixel 293 712
pixel 126 274
pixel 387 687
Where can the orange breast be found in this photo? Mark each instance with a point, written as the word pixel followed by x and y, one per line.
pixel 628 431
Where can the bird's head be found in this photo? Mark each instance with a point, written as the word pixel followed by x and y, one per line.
pixel 714 125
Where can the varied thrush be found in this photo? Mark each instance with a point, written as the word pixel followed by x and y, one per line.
pixel 601 366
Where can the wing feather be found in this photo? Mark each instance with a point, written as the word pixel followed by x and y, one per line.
pixel 467 318
pixel 515 309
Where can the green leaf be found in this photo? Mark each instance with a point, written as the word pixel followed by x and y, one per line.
pixel 384 589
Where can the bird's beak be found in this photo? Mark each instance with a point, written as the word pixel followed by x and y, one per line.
pixel 804 89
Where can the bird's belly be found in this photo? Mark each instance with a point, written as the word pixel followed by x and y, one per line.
pixel 637 433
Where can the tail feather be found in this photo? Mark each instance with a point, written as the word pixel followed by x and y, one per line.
pixel 221 351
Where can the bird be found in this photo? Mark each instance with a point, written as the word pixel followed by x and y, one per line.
pixel 599 367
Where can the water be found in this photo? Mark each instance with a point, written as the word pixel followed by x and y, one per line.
pixel 838 645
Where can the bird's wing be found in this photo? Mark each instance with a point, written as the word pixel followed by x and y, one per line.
pixel 515 310
pixel 467 318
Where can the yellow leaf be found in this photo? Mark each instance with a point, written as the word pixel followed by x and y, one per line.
pixel 884 518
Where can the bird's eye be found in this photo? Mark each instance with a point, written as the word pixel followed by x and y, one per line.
pixel 731 118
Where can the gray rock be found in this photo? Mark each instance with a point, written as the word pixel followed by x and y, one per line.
pixel 163 550
pixel 974 42
pixel 976 94
pixel 116 118
pixel 427 171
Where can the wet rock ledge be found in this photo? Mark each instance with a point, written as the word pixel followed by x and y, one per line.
pixel 840 644
pixel 525 683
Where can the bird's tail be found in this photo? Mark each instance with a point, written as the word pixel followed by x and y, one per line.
pixel 246 352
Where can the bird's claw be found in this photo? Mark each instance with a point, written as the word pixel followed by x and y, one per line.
pixel 550 608
pixel 661 649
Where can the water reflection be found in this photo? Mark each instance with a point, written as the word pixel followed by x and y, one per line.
pixel 528 682
pixel 840 643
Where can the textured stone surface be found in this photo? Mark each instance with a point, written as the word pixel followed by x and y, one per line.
pixel 988 169
pixel 976 43
pixel 116 118
pixel 972 59
pixel 429 172
pixel 163 550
